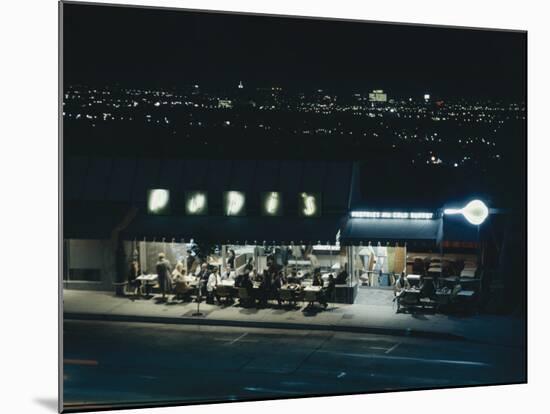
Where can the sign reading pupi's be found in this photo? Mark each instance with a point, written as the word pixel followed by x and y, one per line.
pixel 309 204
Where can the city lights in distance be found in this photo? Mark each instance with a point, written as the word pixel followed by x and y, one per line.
pixel 234 203
pixel 476 212
pixel 272 204
pixel 309 204
pixel 392 215
pixel 196 203
pixel 158 201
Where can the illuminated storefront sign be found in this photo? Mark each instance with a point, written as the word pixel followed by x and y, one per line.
pixel 476 212
pixel 196 203
pixel 234 203
pixel 392 215
pixel 158 201
pixel 309 204
pixel 272 203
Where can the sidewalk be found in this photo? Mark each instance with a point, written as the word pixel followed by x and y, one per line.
pixel 378 319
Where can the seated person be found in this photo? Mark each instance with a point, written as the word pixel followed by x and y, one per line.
pixel 328 291
pixel 401 284
pixel 182 289
pixel 248 285
pixel 427 289
pixel 293 278
pixel 317 279
pixel 239 280
pixel 249 266
pixel 225 273
pixel 342 277
pixel 178 272
pixel 265 288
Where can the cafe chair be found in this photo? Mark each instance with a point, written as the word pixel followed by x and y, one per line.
pixel 224 292
pixel 310 297
pixel 244 298
pixel 286 295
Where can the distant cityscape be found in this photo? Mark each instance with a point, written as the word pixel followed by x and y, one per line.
pixel 432 130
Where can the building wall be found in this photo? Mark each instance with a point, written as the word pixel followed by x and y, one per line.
pixel 89 259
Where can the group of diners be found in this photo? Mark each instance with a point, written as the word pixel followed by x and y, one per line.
pixel 250 286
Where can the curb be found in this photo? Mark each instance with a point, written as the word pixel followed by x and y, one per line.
pixel 267 325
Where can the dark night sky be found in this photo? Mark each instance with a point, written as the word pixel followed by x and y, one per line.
pixel 148 47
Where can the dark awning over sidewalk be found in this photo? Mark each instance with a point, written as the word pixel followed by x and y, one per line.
pixel 363 230
pixel 254 230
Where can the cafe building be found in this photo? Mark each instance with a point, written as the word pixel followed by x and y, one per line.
pixel 306 216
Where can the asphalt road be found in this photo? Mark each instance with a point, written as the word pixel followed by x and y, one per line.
pixel 112 363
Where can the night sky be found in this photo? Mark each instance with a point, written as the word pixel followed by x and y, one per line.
pixel 106 45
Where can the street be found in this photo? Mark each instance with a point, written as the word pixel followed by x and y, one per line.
pixel 109 364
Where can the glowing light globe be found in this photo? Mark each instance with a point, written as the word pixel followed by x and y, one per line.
pixel 476 212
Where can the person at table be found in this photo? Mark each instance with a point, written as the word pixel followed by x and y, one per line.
pixel 213 281
pixel 248 267
pixel 226 274
pixel 342 277
pixel 182 289
pixel 293 278
pixel 328 291
pixel 249 286
pixel 178 272
pixel 133 273
pixel 163 273
pixel 278 283
pixel 317 281
pixel 265 287
pixel 401 284
pixel 427 288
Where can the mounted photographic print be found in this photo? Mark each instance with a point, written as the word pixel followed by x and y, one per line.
pixel 261 207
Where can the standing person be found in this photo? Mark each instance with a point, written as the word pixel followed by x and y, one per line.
pixel 163 273
pixel 265 287
pixel 213 281
pixel 278 283
pixel 203 279
pixel 133 273
pixel 231 259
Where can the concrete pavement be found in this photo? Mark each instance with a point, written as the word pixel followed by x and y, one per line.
pixel 115 364
pixel 378 319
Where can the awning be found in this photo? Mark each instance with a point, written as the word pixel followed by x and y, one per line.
pixel 237 230
pixel 364 230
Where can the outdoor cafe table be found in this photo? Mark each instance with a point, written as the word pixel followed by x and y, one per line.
pixel 147 280
pixel 311 293
pixel 193 281
pixel 413 279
